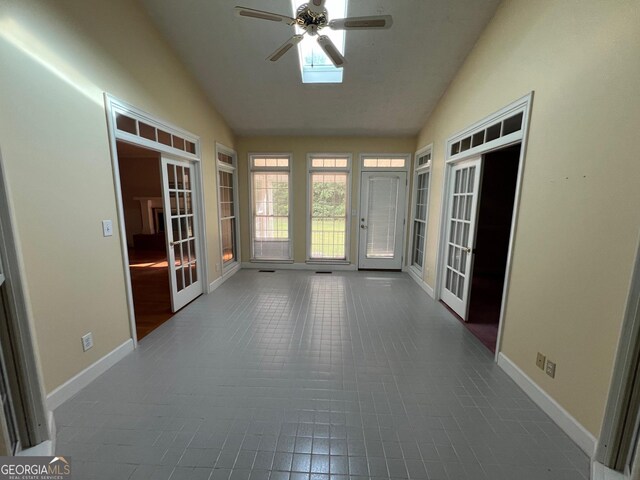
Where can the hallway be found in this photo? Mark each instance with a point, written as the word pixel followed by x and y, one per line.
pixel 293 375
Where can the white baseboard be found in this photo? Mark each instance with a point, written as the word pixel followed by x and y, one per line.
pixel 583 438
pixel 72 386
pixel 301 266
pixel 420 282
pixel 225 276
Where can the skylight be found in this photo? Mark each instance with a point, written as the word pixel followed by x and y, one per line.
pixel 315 66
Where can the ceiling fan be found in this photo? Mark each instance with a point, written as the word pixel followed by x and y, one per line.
pixel 313 17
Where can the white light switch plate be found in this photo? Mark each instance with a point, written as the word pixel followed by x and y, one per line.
pixel 107 228
pixel 87 341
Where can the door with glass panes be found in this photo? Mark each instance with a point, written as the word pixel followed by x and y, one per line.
pixel 462 203
pixel 382 209
pixel 182 231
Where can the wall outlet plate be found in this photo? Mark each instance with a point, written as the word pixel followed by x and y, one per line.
pixel 540 361
pixel 87 341
pixel 551 369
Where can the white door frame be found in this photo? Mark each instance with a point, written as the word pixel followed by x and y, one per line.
pixel 407 164
pixel 220 167
pixel 521 105
pixel 38 420
pixel 113 107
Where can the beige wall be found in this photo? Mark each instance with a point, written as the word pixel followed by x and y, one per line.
pixel 579 214
pixel 299 147
pixel 58 58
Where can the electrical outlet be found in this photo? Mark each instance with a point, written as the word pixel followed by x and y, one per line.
pixel 107 228
pixel 540 361
pixel 217 267
pixel 551 369
pixel 87 341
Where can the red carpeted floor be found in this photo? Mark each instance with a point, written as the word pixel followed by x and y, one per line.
pixel 484 310
pixel 150 285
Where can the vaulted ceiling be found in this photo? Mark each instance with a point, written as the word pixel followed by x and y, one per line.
pixel 392 81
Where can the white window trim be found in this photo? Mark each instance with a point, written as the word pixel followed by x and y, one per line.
pixel 289 170
pixel 233 169
pixel 348 170
pixel 405 156
pixel 419 169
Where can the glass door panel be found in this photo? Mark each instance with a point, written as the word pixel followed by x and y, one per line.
pixel 460 238
pixel 182 232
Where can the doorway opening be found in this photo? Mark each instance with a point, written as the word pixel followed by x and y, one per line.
pixel 176 153
pixel 141 190
pixel 469 236
pixel 493 233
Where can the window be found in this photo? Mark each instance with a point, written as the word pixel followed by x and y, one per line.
pixel 271 229
pixel 228 206
pixel 499 129
pixel 420 208
pixel 387 162
pixel 328 228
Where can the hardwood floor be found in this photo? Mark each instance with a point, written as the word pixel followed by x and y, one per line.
pixel 150 285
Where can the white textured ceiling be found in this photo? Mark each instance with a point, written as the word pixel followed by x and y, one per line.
pixel 392 81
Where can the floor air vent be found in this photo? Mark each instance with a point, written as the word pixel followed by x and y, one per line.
pixel 324 272
pixel 266 271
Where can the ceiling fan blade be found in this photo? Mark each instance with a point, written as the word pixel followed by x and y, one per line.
pixel 380 22
pixel 259 14
pixel 292 42
pixel 332 52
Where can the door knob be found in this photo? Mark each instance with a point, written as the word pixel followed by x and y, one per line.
pixel 363 226
pixel 466 249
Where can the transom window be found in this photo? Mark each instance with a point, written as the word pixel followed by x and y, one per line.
pixel 329 200
pixel 420 208
pixel 228 206
pixel 270 194
pixel 389 162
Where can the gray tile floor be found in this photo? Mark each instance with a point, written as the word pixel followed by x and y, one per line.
pixel 300 376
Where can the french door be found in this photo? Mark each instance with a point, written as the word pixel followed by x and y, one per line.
pixel 382 208
pixel 462 203
pixel 182 231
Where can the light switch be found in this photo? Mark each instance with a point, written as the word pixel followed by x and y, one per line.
pixel 354 213
pixel 107 228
